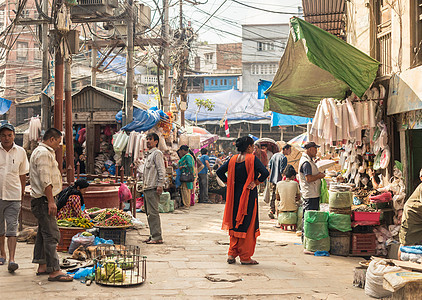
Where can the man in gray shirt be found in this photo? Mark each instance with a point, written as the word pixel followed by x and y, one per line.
pixel 153 179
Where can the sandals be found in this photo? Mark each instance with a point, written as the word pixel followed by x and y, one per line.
pixel 231 260
pixel 147 240
pixel 154 242
pixel 251 262
pixel 42 273
pixel 12 267
pixel 61 278
pixel 2 261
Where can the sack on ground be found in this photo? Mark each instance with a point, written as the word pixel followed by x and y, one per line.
pixel 375 277
pixel 287 217
pixel 340 199
pixel 316 245
pixel 396 280
pixel 79 239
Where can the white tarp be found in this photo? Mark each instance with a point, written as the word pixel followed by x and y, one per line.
pixel 405 92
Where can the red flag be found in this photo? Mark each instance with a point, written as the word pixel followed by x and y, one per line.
pixel 226 128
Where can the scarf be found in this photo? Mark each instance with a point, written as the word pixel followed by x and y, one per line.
pixel 65 194
pixel 244 198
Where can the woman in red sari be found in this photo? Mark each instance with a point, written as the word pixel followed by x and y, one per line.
pixel 245 173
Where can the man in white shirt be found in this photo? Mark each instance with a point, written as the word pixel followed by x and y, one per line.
pixel 46 184
pixel 13 169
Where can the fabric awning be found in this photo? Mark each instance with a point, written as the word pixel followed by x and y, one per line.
pixel 317 65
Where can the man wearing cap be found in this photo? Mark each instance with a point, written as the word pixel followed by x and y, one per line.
pixel 277 164
pixel 13 169
pixel 310 178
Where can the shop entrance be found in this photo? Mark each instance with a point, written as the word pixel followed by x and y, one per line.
pixel 414 151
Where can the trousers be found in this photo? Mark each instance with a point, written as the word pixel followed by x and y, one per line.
pixel 203 187
pixel 48 236
pixel 186 194
pixel 153 216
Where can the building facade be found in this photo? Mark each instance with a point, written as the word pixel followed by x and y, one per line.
pixel 391 32
pixel 262 48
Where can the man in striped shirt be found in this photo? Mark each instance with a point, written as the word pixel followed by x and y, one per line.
pixel 46 184
pixel 212 159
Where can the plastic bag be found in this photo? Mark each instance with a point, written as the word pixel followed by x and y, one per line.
pixel 314 216
pixel 79 239
pixel 83 272
pixel 287 217
pixel 99 241
pixel 267 192
pixel 396 280
pixel 340 222
pixel 316 231
pixel 124 193
pixel 324 197
pixel 375 277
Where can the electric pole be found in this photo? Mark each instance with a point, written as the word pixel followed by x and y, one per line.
pixel 58 98
pixel 70 163
pixel 93 66
pixel 166 58
pixel 129 66
pixel 182 69
pixel 45 100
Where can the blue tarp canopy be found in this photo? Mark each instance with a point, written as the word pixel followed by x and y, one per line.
pixel 143 120
pixel 4 105
pixel 278 119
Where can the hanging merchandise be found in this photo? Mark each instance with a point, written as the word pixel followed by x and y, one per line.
pixel 34 129
pixel 385 158
pixel 120 140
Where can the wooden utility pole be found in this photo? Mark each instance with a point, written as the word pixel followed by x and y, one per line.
pixel 45 100
pixel 70 163
pixel 58 100
pixel 129 66
pixel 93 66
pixel 166 58
pixel 182 71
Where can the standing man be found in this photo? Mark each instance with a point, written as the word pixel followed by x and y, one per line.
pixel 213 160
pixel 46 184
pixel 203 177
pixel 13 169
pixel 310 178
pixel 154 178
pixel 277 164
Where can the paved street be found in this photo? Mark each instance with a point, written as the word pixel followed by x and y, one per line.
pixel 194 248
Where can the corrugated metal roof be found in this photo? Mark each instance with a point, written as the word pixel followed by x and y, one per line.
pixel 329 15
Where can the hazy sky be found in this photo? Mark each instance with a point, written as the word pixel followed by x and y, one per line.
pixel 224 26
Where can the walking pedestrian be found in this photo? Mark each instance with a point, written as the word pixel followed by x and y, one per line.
pixel 154 178
pixel 245 173
pixel 13 169
pixel 203 177
pixel 277 164
pixel 46 183
pixel 310 178
pixel 186 165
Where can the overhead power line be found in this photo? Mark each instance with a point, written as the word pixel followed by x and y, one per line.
pixel 266 10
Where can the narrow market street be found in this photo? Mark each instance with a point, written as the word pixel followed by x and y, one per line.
pixel 194 248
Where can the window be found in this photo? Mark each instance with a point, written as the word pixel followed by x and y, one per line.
pixel 22 52
pixel 383 15
pixel 416 33
pixel 207 82
pixel 260 46
pixel 212 82
pixel 37 52
pixel 263 69
pixel 221 81
pixel 2 14
pixel 22 82
pixel 225 81
pixel 208 58
pixel 230 82
pixel 25 13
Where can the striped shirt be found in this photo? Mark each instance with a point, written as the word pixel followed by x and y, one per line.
pixel 44 171
pixel 212 160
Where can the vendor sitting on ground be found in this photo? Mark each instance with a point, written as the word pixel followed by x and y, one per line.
pixel 287 193
pixel 411 223
pixel 70 201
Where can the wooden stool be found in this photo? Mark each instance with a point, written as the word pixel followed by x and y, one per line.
pixel 288 227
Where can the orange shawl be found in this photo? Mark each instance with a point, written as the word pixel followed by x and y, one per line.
pixel 244 198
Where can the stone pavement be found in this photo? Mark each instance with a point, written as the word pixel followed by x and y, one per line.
pixel 195 248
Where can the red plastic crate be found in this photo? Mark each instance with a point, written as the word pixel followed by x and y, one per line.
pixel 363 243
pixel 366 216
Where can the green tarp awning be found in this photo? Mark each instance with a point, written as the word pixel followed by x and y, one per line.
pixel 317 65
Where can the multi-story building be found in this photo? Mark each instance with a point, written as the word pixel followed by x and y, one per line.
pixel 215 67
pixel 20 67
pixel 391 32
pixel 262 48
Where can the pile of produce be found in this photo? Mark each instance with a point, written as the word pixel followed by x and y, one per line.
pixel 110 272
pixel 92 210
pixel 113 217
pixel 75 222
